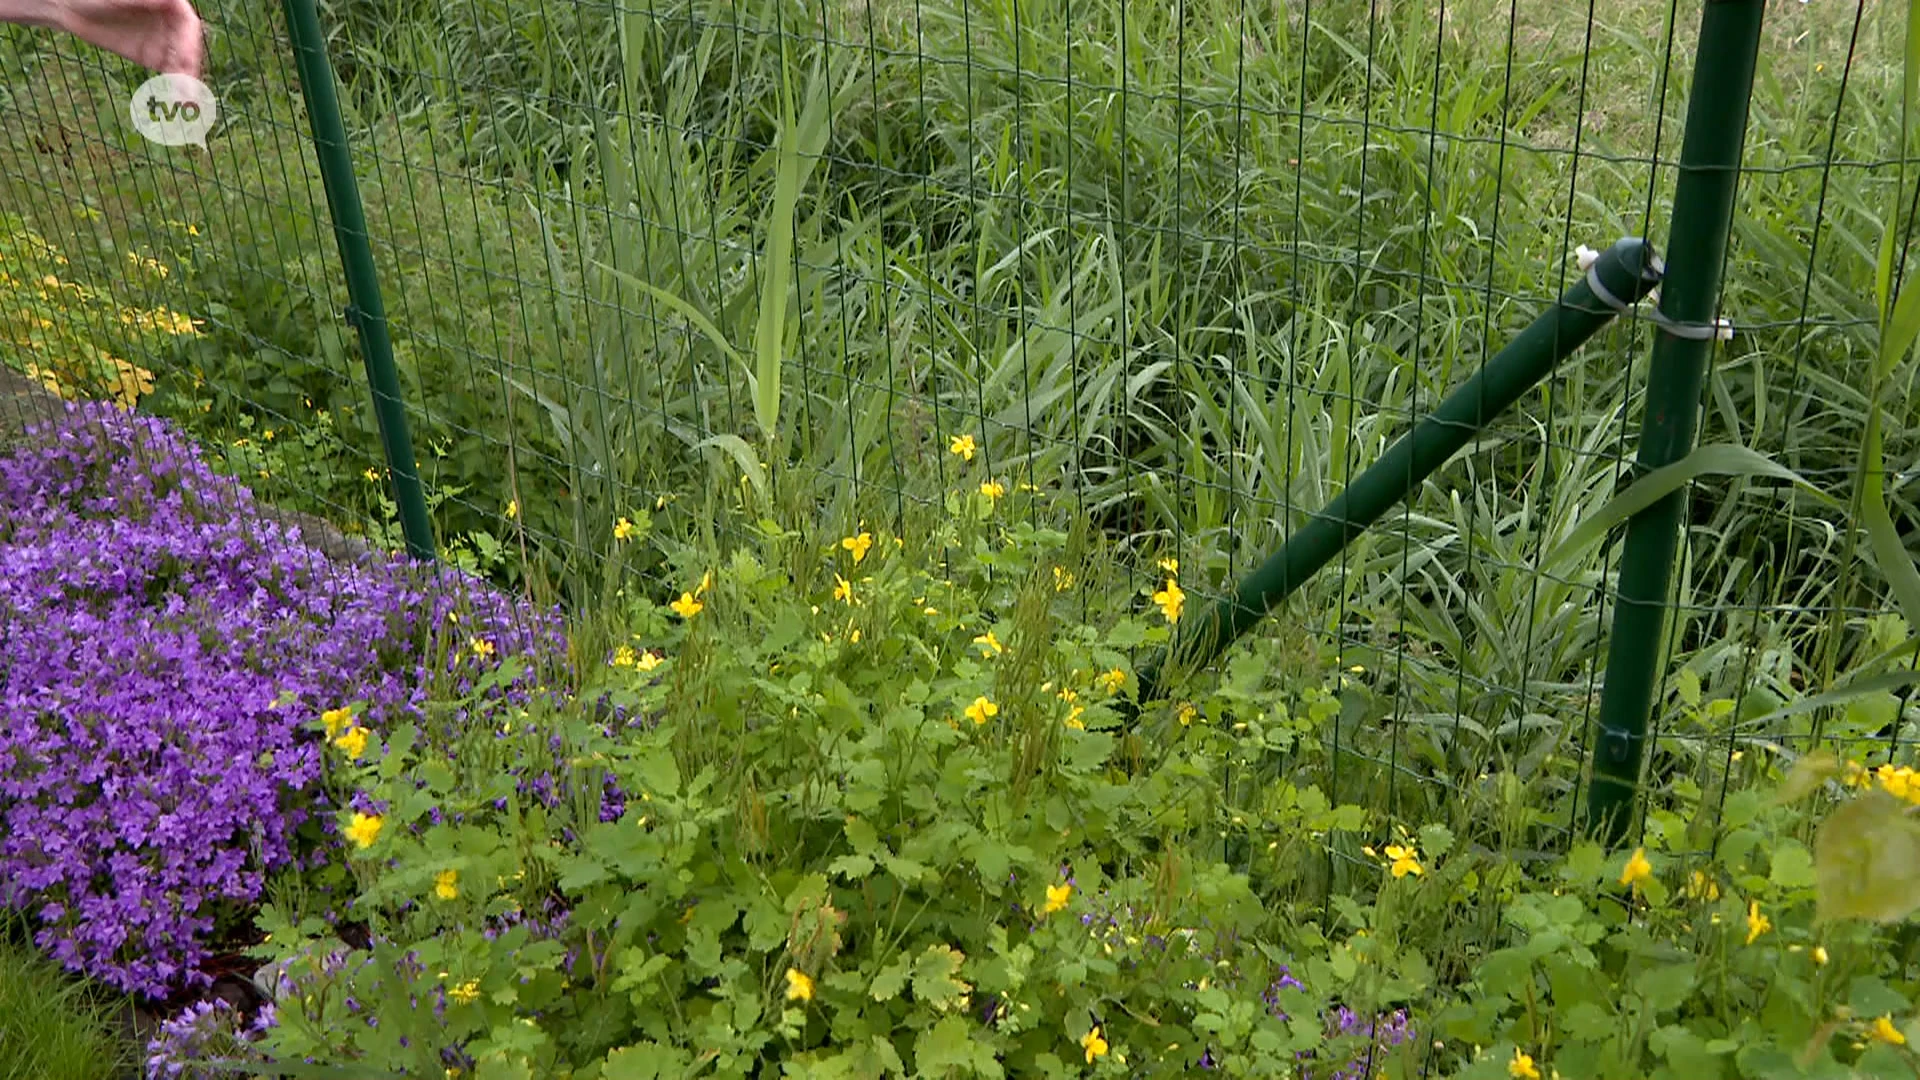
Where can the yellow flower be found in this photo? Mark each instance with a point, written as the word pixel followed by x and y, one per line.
pixel 647 661
pixel 364 829
pixel 982 710
pixel 706 582
pixel 1638 868
pixel 858 545
pixel 1093 1044
pixel 371 474
pixel 1702 887
pixel 1187 714
pixel 466 993
pixel 842 589
pixel 482 648
pixel 353 741
pixel 963 445
pixel 335 720
pixel 1757 923
pixel 1171 566
pixel 686 607
pixel 623 657
pixel 513 508
pixel 1901 783
pixel 1405 860
pixel 1819 954
pixel 1171 600
pixel 1073 718
pixel 1522 1067
pixel 1884 1031
pixel 1112 681
pixel 992 489
pixel 989 645
pixel 799 985
pixel 1062 581
pixel 446 884
pixel 623 529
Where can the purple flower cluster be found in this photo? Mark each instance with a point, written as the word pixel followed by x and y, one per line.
pixel 1381 1032
pixel 202 1032
pixel 164 650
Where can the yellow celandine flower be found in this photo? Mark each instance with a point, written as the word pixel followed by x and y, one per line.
pixel 446 884
pixel 1522 1067
pixel 1819 954
pixel 1884 1031
pixel 647 661
pixel 1112 681
pixel 370 474
pixel 623 529
pixel 623 657
pixel 1702 887
pixel 513 509
pixel 1068 694
pixel 1171 599
pixel 686 607
pixel 799 985
pixel 989 645
pixel 1171 566
pixel 1062 581
pixel 335 720
pixel 482 648
pixel 1093 1044
pixel 466 993
pixel 1757 923
pixel 842 589
pixel 1187 714
pixel 963 445
pixel 992 489
pixel 364 829
pixel 858 545
pixel 1405 860
pixel 1073 718
pixel 1057 897
pixel 1638 869
pixel 982 710
pixel 352 742
pixel 1901 783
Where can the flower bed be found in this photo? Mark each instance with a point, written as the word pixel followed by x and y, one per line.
pixel 164 651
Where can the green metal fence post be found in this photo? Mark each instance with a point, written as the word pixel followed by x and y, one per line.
pixel 365 309
pixel 1627 272
pixel 1703 197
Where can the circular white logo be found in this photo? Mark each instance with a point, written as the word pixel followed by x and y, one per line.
pixel 174 110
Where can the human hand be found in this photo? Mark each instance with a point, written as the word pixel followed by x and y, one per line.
pixel 163 36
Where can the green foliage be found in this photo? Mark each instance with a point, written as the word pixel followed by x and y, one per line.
pixel 53 1027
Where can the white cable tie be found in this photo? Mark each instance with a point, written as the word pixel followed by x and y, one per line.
pixel 1719 330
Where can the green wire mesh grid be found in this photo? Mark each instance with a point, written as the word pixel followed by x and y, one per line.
pixel 1172 272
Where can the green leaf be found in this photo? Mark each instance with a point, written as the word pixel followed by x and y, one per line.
pixel 646 1061
pixel 851 867
pixel 743 456
pixel 1792 866
pixel 1867 861
pixel 936 974
pixel 1717 459
pixel 1665 987
pixel 891 980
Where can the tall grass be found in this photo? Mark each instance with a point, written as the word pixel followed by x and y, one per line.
pixel 1186 268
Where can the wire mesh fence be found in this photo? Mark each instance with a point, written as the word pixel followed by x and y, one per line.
pixel 1174 274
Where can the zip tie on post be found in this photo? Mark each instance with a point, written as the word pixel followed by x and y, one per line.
pixel 1718 330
